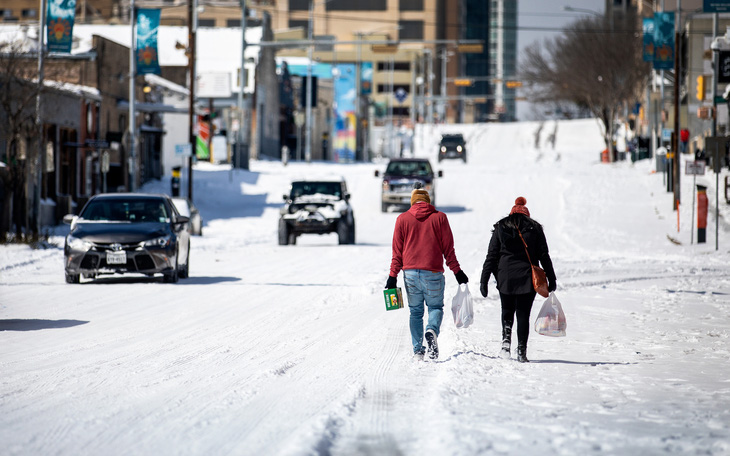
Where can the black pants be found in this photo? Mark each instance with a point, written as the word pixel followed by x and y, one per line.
pixel 520 304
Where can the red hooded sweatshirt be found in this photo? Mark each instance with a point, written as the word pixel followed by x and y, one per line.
pixel 421 240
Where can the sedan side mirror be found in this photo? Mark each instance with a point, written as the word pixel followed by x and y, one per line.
pixel 377 173
pixel 68 219
pixel 286 197
pixel 441 173
pixel 181 220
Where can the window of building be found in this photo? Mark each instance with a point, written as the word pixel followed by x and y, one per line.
pixel 233 22
pixel 29 13
pixel 356 5
pixel 294 23
pixel 385 88
pixel 411 5
pixel 206 22
pixel 298 5
pixel 411 30
pixel 397 66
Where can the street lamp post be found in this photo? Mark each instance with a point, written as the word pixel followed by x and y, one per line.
pixel 308 118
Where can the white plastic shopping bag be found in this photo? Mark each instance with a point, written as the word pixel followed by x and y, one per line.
pixel 551 319
pixel 462 308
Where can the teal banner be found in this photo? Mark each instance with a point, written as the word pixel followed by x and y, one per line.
pixel 648 39
pixel 60 25
pixel 148 22
pixel 663 41
pixel 366 78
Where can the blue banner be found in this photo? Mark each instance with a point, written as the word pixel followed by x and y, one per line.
pixel 345 127
pixel 148 22
pixel 60 25
pixel 366 78
pixel 648 39
pixel 663 41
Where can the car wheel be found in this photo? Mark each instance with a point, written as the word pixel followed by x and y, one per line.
pixel 185 270
pixel 172 276
pixel 283 233
pixel 73 278
pixel 352 231
pixel 292 238
pixel 343 232
pixel 384 207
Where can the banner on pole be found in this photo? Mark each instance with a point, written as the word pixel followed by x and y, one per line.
pixel 648 39
pixel 60 25
pixel 663 41
pixel 148 22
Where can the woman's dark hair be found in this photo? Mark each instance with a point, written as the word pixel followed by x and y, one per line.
pixel 516 220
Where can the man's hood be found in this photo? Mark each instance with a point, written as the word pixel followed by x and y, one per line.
pixel 422 211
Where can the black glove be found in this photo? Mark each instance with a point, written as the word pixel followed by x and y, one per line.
pixel 483 289
pixel 552 285
pixel 461 277
pixel 391 283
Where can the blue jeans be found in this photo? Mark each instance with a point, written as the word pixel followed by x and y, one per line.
pixel 424 287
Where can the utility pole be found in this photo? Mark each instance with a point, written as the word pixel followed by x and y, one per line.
pixel 241 115
pixel 132 98
pixel 675 136
pixel 308 119
pixel 39 120
pixel 192 26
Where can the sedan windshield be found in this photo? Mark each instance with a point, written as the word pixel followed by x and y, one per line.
pixel 409 168
pixel 135 211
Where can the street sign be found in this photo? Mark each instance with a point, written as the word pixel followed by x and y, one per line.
pixel 105 162
pixel 401 94
pixel 696 168
pixel 716 145
pixel 182 150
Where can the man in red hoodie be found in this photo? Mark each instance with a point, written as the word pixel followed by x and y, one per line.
pixel 422 239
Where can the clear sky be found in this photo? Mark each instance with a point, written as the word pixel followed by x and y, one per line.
pixel 540 19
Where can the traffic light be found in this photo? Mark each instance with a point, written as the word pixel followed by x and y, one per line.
pixel 700 88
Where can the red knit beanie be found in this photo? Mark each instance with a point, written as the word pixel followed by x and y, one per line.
pixel 520 207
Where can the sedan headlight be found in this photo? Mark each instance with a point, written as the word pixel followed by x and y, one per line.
pixel 428 187
pixel 160 242
pixel 78 244
pixel 386 186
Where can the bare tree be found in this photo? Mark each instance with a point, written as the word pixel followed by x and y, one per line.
pixel 593 64
pixel 18 89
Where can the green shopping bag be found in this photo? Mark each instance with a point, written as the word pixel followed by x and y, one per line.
pixel 393 298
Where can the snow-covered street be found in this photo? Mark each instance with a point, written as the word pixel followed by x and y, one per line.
pixel 288 350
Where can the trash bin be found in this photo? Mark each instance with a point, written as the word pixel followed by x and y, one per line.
pixel 661 159
pixel 175 181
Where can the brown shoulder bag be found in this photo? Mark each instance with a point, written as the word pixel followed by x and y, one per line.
pixel 539 279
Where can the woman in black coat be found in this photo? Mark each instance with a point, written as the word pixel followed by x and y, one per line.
pixel 507 261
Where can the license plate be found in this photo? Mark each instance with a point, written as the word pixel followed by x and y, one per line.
pixel 116 257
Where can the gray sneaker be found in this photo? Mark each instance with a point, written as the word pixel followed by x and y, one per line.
pixel 433 346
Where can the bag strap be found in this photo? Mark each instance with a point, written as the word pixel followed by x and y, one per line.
pixel 525 244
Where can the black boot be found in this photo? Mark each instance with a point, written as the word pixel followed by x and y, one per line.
pixel 522 354
pixel 506 342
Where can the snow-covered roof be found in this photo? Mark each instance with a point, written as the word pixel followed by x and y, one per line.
pixel 169 85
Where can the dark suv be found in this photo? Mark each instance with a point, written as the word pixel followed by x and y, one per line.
pixel 317 206
pixel 399 177
pixel 452 146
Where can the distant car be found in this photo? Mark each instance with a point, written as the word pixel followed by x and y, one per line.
pixel 186 208
pixel 317 206
pixel 452 146
pixel 398 180
pixel 119 233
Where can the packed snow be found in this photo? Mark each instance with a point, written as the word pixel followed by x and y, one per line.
pixel 288 350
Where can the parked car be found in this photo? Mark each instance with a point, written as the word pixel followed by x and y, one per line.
pixel 119 233
pixel 318 206
pixel 452 146
pixel 398 180
pixel 186 208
